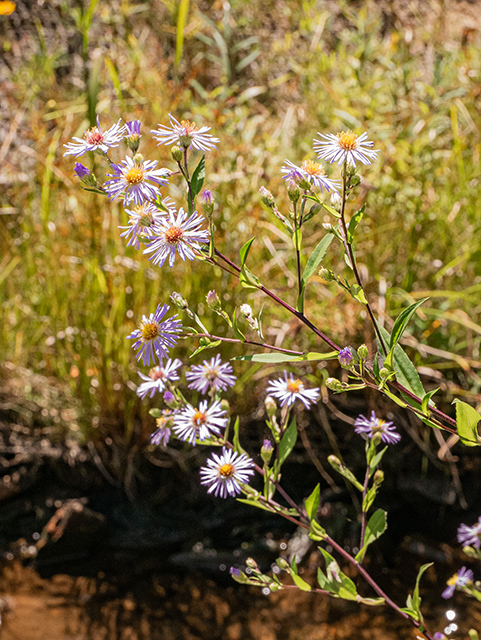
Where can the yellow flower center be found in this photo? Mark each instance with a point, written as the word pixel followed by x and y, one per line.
pixel 378 428
pixel 313 168
pixel 347 140
pixel 189 126
pixel 199 418
pixel 134 175
pixel 294 386
pixel 452 580
pixel 93 136
pixel 173 235
pixel 7 7
pixel 161 422
pixel 149 330
pixel 226 471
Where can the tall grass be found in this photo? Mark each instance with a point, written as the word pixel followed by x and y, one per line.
pixel 71 291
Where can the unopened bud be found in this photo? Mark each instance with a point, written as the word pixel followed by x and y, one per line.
pixel 355 181
pixel 213 301
pixel 238 575
pixel 293 191
pixel 283 564
pixel 350 170
pixel 246 311
pixel 271 406
pixel 363 352
pixel 378 477
pixel 266 451
pixel 252 564
pixel 327 274
pixel 334 384
pixel 169 399
pixel 267 197
pixel 384 373
pixel 138 158
pixel 176 153
pixel 336 201
pixel 345 357
pixel 334 462
pixel 225 405
pixel 179 301
pixel 328 227
pixel 132 138
pixel 208 202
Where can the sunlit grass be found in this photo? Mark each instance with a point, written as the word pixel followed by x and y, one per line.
pixel 71 291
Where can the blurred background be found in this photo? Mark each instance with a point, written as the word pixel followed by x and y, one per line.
pixel 266 77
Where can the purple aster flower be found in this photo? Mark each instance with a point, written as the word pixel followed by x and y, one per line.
pixel 155 336
pixel 141 221
pixel 157 378
pixel 169 398
pixel 311 172
pixel 132 128
pixel 345 356
pixel 470 536
pixel 458 581
pixel 164 426
pixel 96 140
pixel 179 233
pixel 81 171
pixel 266 451
pixel 185 134
pixel 235 572
pixel 439 636
pixel 213 374
pixel 131 180
pixel 193 424
pixel 223 474
pixel 369 427
pixel 345 147
pixel 288 390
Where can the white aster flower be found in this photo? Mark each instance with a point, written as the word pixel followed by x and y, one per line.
pixel 157 378
pixel 96 140
pixel 223 474
pixel 345 147
pixel 134 180
pixel 155 337
pixel 141 220
pixel 287 390
pixel 193 424
pixel 311 172
pixel 211 374
pixel 164 427
pixel 179 233
pixel 185 134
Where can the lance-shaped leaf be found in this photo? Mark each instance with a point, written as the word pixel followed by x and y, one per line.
pixel 376 526
pixel 426 401
pixel 276 358
pixel 312 502
pixel 238 333
pixel 355 220
pixel 311 266
pixel 298 581
pixel 467 420
pixel 335 581
pixel 236 441
pixel 402 320
pixel 287 442
pixel 406 372
pixel 413 602
pixel 197 179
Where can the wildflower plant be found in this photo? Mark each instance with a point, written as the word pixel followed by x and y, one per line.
pixel 196 412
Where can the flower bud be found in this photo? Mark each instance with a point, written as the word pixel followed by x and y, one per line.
pixel 213 301
pixel 225 405
pixel 350 170
pixel 132 138
pixel 384 373
pixel 335 462
pixel 271 406
pixel 283 564
pixel 328 227
pixel 378 478
pixel 179 301
pixel 138 158
pixel 208 202
pixel 266 451
pixel 334 385
pixel 345 357
pixel 267 197
pixel 293 191
pixel 363 352
pixel 252 564
pixel 336 201
pixel 176 153
pixel 238 575
pixel 246 311
pixel 355 181
pixel 327 274
pixel 169 399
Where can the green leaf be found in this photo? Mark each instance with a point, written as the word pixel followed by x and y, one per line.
pixel 311 213
pixel 236 441
pixel 355 220
pixel 357 293
pixel 300 583
pixel 277 358
pixel 155 413
pixel 208 345
pixel 376 460
pixel 248 280
pixel 239 335
pixel 337 583
pixel 369 499
pixel 402 320
pixel 255 503
pixel 331 210
pixel 376 526
pixel 297 239
pixel 416 600
pixel 312 502
pixel 244 252
pixel 406 372
pixel 426 399
pixel 197 179
pixel 372 602
pixel 315 258
pixel 467 420
pixel 287 442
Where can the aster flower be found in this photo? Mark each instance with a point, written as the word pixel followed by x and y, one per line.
pixel 81 171
pixel 288 390
pixel 132 134
pixel 179 233
pixel 458 581
pixel 131 179
pixel 141 221
pixel 369 427
pixel 311 172
pixel 154 336
pixel 157 378
pixel 212 374
pixel 345 356
pixel 185 134
pixel 345 147
pixel 96 140
pixel 192 424
pixel 223 474
pixel 470 536
pixel 164 428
